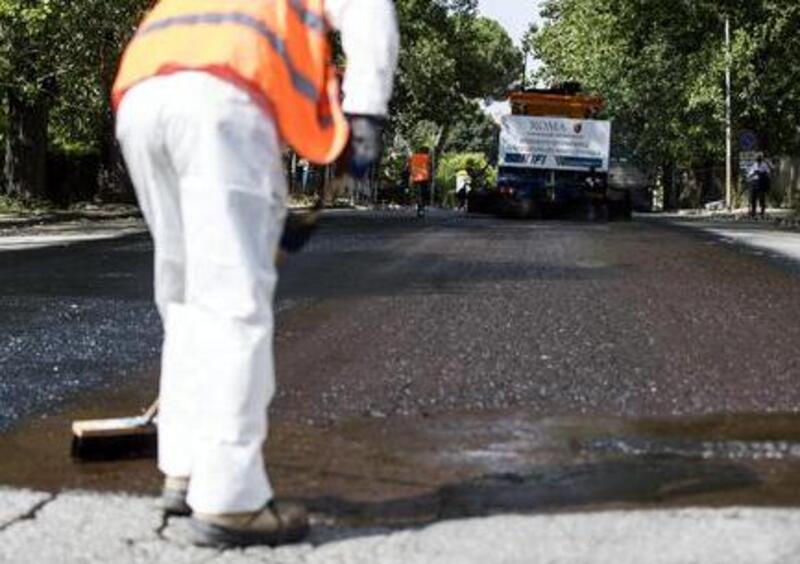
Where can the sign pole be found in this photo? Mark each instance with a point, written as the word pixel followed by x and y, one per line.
pixel 728 118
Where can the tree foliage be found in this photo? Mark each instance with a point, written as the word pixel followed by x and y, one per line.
pixel 449 57
pixel 58 58
pixel 64 49
pixel 661 66
pixel 476 164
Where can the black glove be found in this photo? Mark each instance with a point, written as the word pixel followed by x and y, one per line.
pixel 297 231
pixel 366 143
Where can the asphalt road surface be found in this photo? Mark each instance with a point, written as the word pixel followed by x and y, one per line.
pixel 403 318
pixel 459 337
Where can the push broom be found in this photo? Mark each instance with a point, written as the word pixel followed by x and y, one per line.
pixel 136 437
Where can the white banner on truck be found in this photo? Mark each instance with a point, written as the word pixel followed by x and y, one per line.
pixel 555 143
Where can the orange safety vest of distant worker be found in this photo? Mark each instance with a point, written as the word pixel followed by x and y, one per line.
pixel 420 167
pixel 278 51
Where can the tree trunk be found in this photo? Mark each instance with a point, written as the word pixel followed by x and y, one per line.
pixel 668 181
pixel 113 183
pixel 441 139
pixel 25 167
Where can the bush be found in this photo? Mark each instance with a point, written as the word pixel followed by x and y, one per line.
pixel 475 163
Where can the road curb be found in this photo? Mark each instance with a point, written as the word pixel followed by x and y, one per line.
pixel 66 217
pixel 791 223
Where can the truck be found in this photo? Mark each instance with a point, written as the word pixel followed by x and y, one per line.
pixel 555 155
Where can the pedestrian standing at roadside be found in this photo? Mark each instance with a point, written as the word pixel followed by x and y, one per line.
pixel 463 186
pixel 207 94
pixel 759 177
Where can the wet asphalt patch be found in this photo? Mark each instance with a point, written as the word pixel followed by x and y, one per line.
pixel 397 472
pixel 449 367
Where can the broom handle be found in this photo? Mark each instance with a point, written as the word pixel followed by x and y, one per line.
pixel 151 412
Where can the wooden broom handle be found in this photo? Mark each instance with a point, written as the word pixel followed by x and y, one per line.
pixel 151 412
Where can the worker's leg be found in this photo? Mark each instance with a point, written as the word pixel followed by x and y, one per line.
pixel 228 158
pixel 753 200
pixel 762 200
pixel 140 129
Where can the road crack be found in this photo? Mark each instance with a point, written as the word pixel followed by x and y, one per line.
pixel 31 514
pixel 163 527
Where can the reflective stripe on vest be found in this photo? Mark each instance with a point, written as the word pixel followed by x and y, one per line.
pixel 300 82
pixel 276 49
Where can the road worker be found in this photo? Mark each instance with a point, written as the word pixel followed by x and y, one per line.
pixel 420 176
pixel 207 94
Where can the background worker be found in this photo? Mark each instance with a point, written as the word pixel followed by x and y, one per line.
pixel 759 177
pixel 463 187
pixel 421 173
pixel 206 95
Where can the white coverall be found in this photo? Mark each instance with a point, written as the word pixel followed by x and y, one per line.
pixel 206 165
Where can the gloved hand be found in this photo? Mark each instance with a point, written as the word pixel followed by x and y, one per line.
pixel 366 143
pixel 297 231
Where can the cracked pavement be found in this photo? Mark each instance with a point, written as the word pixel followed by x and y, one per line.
pixel 76 527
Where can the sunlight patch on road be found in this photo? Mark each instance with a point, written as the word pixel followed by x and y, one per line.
pixel 781 243
pixel 39 241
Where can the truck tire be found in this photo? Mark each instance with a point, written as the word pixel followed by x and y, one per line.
pixel 622 209
pixel 627 210
pixel 601 212
pixel 594 211
pixel 523 209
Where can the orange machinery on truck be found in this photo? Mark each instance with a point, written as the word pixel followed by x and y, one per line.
pixel 555 154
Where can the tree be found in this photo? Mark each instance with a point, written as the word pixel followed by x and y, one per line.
pixel 450 57
pixel 474 132
pixel 57 60
pixel 58 57
pixel 660 65
pixel 28 82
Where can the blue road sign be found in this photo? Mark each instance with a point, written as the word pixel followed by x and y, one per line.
pixel 748 141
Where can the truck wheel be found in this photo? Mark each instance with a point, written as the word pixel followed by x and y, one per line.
pixel 524 209
pixel 627 208
pixel 601 212
pixel 622 208
pixel 595 211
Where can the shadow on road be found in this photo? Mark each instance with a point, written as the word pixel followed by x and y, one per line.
pixel 393 274
pixel 644 481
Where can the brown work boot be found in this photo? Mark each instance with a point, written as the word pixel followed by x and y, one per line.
pixel 173 497
pixel 278 523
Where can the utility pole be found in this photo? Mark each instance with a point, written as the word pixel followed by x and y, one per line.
pixel 525 69
pixel 728 117
pixel 435 163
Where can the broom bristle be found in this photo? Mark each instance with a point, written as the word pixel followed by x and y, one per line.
pixel 142 443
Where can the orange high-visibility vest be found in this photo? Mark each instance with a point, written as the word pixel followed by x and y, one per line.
pixel 278 50
pixel 420 166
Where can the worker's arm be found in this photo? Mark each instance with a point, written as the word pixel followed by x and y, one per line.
pixel 370 41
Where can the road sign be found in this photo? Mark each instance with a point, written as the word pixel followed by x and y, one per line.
pixel 748 141
pixel 555 143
